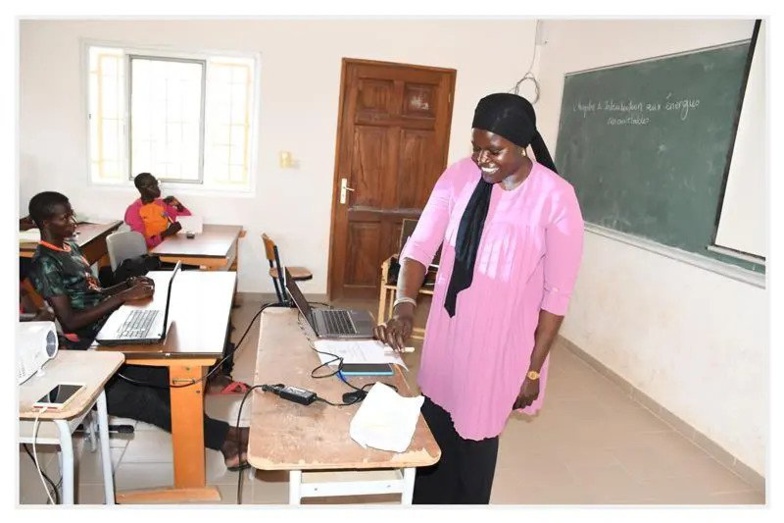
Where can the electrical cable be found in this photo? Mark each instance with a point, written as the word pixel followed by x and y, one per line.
pixel 35 455
pixel 216 366
pixel 529 76
pixel 47 478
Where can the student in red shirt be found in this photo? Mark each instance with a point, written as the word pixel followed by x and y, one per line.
pixel 152 216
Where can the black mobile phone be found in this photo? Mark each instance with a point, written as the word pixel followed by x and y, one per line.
pixel 59 396
pixel 366 369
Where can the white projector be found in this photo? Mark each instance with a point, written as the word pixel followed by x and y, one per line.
pixel 36 343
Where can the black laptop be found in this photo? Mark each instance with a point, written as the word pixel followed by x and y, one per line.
pixel 132 325
pixel 331 323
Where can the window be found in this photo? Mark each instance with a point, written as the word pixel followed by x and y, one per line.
pixel 185 119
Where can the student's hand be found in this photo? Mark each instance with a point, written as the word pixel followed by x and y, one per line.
pixel 529 391
pixel 173 229
pixel 396 331
pixel 171 200
pixel 26 223
pixel 140 291
pixel 134 280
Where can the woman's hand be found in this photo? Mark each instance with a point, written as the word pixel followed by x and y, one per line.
pixel 529 391
pixel 396 331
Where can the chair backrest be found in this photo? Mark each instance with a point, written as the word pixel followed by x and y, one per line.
pixel 123 245
pixel 269 248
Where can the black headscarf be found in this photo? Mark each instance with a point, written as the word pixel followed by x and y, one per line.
pixel 512 117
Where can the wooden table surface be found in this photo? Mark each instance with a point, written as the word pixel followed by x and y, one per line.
pixel 288 436
pixel 90 237
pixel 214 242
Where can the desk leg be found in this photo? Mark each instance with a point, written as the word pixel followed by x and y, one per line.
pixel 67 460
pixel 295 487
pixel 106 456
pixel 187 407
pixel 409 475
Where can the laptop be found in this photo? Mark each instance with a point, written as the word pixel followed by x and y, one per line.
pixel 131 325
pixel 331 323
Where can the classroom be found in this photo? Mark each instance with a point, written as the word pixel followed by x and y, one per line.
pixel 678 339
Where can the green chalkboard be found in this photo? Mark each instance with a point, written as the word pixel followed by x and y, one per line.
pixel 646 144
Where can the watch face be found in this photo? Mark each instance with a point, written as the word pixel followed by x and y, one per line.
pixel 533 375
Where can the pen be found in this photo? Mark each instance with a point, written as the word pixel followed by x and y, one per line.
pixel 405 349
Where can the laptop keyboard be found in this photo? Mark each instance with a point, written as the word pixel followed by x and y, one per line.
pixel 338 322
pixel 138 324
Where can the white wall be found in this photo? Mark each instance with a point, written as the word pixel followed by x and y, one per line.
pixel 694 341
pixel 300 89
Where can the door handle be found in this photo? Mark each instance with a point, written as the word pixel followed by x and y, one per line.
pixel 344 188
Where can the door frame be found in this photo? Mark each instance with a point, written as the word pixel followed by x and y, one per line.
pixel 345 63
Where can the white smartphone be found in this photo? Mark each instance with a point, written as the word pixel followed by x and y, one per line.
pixel 59 396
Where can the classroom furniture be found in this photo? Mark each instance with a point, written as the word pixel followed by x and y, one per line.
pixel 276 269
pixel 91 239
pixel 388 291
pixel 312 442
pixel 123 245
pixel 91 368
pixel 646 144
pixel 198 321
pixel 215 248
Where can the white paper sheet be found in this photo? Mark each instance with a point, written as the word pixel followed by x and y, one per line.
pixel 357 351
pixel 30 236
pixel 193 224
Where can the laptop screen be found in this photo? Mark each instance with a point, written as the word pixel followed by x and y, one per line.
pixel 298 297
pixel 168 298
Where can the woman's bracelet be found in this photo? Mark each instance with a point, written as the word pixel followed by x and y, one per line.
pixel 404 299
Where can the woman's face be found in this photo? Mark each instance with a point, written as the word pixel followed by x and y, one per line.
pixel 495 156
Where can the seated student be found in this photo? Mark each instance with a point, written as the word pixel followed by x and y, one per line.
pixel 152 216
pixel 62 276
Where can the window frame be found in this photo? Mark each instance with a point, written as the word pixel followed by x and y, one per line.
pixel 201 187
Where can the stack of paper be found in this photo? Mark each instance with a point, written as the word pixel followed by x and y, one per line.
pixel 357 351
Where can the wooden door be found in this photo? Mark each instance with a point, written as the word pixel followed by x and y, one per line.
pixel 392 144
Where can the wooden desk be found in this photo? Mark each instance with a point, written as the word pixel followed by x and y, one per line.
pixel 91 239
pixel 198 322
pixel 214 249
pixel 313 442
pixel 94 370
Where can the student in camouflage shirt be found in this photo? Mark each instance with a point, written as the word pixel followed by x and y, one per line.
pixel 63 277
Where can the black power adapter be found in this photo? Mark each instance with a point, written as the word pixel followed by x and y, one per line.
pixel 295 394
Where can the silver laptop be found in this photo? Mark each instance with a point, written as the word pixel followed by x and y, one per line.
pixel 131 325
pixel 331 323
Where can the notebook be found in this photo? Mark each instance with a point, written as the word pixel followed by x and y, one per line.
pixel 131 325
pixel 331 323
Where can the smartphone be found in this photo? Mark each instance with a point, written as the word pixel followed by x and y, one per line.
pixel 59 396
pixel 366 369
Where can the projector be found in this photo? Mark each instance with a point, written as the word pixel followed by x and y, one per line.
pixel 36 343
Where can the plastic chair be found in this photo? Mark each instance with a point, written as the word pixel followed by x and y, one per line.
pixel 276 269
pixel 123 245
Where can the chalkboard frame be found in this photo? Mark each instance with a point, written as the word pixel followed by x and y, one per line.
pixel 702 247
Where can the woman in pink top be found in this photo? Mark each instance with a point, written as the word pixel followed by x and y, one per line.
pixel 512 236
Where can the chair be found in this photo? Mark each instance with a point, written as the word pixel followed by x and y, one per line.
pixel 123 245
pixel 276 269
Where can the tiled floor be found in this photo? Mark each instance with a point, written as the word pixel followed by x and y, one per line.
pixel 590 445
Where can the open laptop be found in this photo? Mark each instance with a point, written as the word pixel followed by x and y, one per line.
pixel 331 323
pixel 131 325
